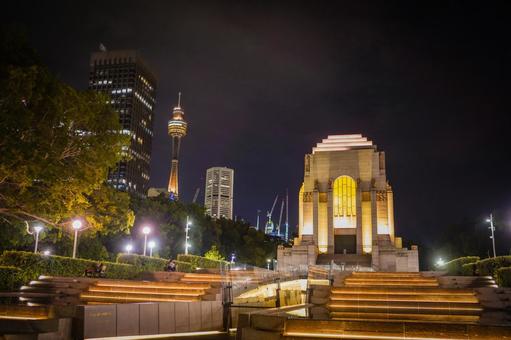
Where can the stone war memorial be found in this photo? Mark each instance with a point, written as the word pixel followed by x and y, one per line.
pixel 346 211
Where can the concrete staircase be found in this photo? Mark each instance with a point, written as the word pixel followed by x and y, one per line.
pixel 400 297
pixel 67 291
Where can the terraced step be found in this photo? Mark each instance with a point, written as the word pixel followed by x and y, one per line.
pixel 133 297
pixel 402 317
pixel 154 291
pixel 405 298
pixel 151 284
pixel 455 308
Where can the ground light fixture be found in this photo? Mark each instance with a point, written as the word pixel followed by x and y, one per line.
pixel 77 225
pixel 128 248
pixel 47 252
pixel 146 231
pixel 151 245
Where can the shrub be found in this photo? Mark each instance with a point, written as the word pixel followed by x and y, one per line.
pixel 184 267
pixel 503 277
pixel 455 267
pixel 145 263
pixel 469 269
pixel 33 265
pixel 489 266
pixel 200 262
pixel 10 279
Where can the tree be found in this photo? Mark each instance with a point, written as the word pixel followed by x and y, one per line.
pixel 214 254
pixel 56 146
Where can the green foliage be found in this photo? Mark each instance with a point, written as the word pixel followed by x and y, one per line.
pixel 10 278
pixel 184 267
pixel 214 254
pixel 455 267
pixel 33 265
pixel 56 146
pixel 489 266
pixel 503 277
pixel 469 269
pixel 200 262
pixel 145 263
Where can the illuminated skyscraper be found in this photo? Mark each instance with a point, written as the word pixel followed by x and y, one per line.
pixel 131 88
pixel 218 197
pixel 177 129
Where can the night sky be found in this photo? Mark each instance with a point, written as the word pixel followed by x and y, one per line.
pixel 263 83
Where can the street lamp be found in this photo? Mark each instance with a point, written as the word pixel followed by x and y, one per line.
pixel 129 248
pixel 38 228
pixel 233 258
pixel 146 230
pixel 151 245
pixel 268 264
pixel 492 228
pixel 77 225
pixel 187 228
pixel 440 262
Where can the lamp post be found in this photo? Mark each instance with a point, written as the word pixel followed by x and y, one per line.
pixel 151 245
pixel 492 228
pixel 129 248
pixel 37 230
pixel 77 225
pixel 187 228
pixel 233 258
pixel 268 264
pixel 146 230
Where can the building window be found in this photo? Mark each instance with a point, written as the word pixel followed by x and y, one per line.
pixel 345 207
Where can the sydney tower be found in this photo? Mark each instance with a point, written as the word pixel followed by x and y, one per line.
pixel 177 129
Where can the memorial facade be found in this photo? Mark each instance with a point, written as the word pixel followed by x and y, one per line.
pixel 346 205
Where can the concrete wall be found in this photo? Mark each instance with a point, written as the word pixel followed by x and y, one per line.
pixel 95 321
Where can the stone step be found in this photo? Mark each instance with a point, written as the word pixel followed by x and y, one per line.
pixel 398 317
pixel 143 290
pixel 406 307
pixel 404 298
pixel 401 291
pixel 130 298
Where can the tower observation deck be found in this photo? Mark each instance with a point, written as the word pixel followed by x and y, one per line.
pixel 177 128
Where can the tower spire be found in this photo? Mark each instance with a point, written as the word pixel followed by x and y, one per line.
pixel 179 100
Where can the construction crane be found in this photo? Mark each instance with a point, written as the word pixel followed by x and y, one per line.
pixel 196 195
pixel 269 223
pixel 286 235
pixel 280 217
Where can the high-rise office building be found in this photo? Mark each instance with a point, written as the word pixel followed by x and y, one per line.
pixel 218 198
pixel 131 88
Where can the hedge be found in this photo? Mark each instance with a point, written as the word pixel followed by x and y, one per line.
pixel 469 269
pixel 10 278
pixel 489 266
pixel 145 263
pixel 33 265
pixel 200 262
pixel 455 267
pixel 503 277
pixel 184 267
